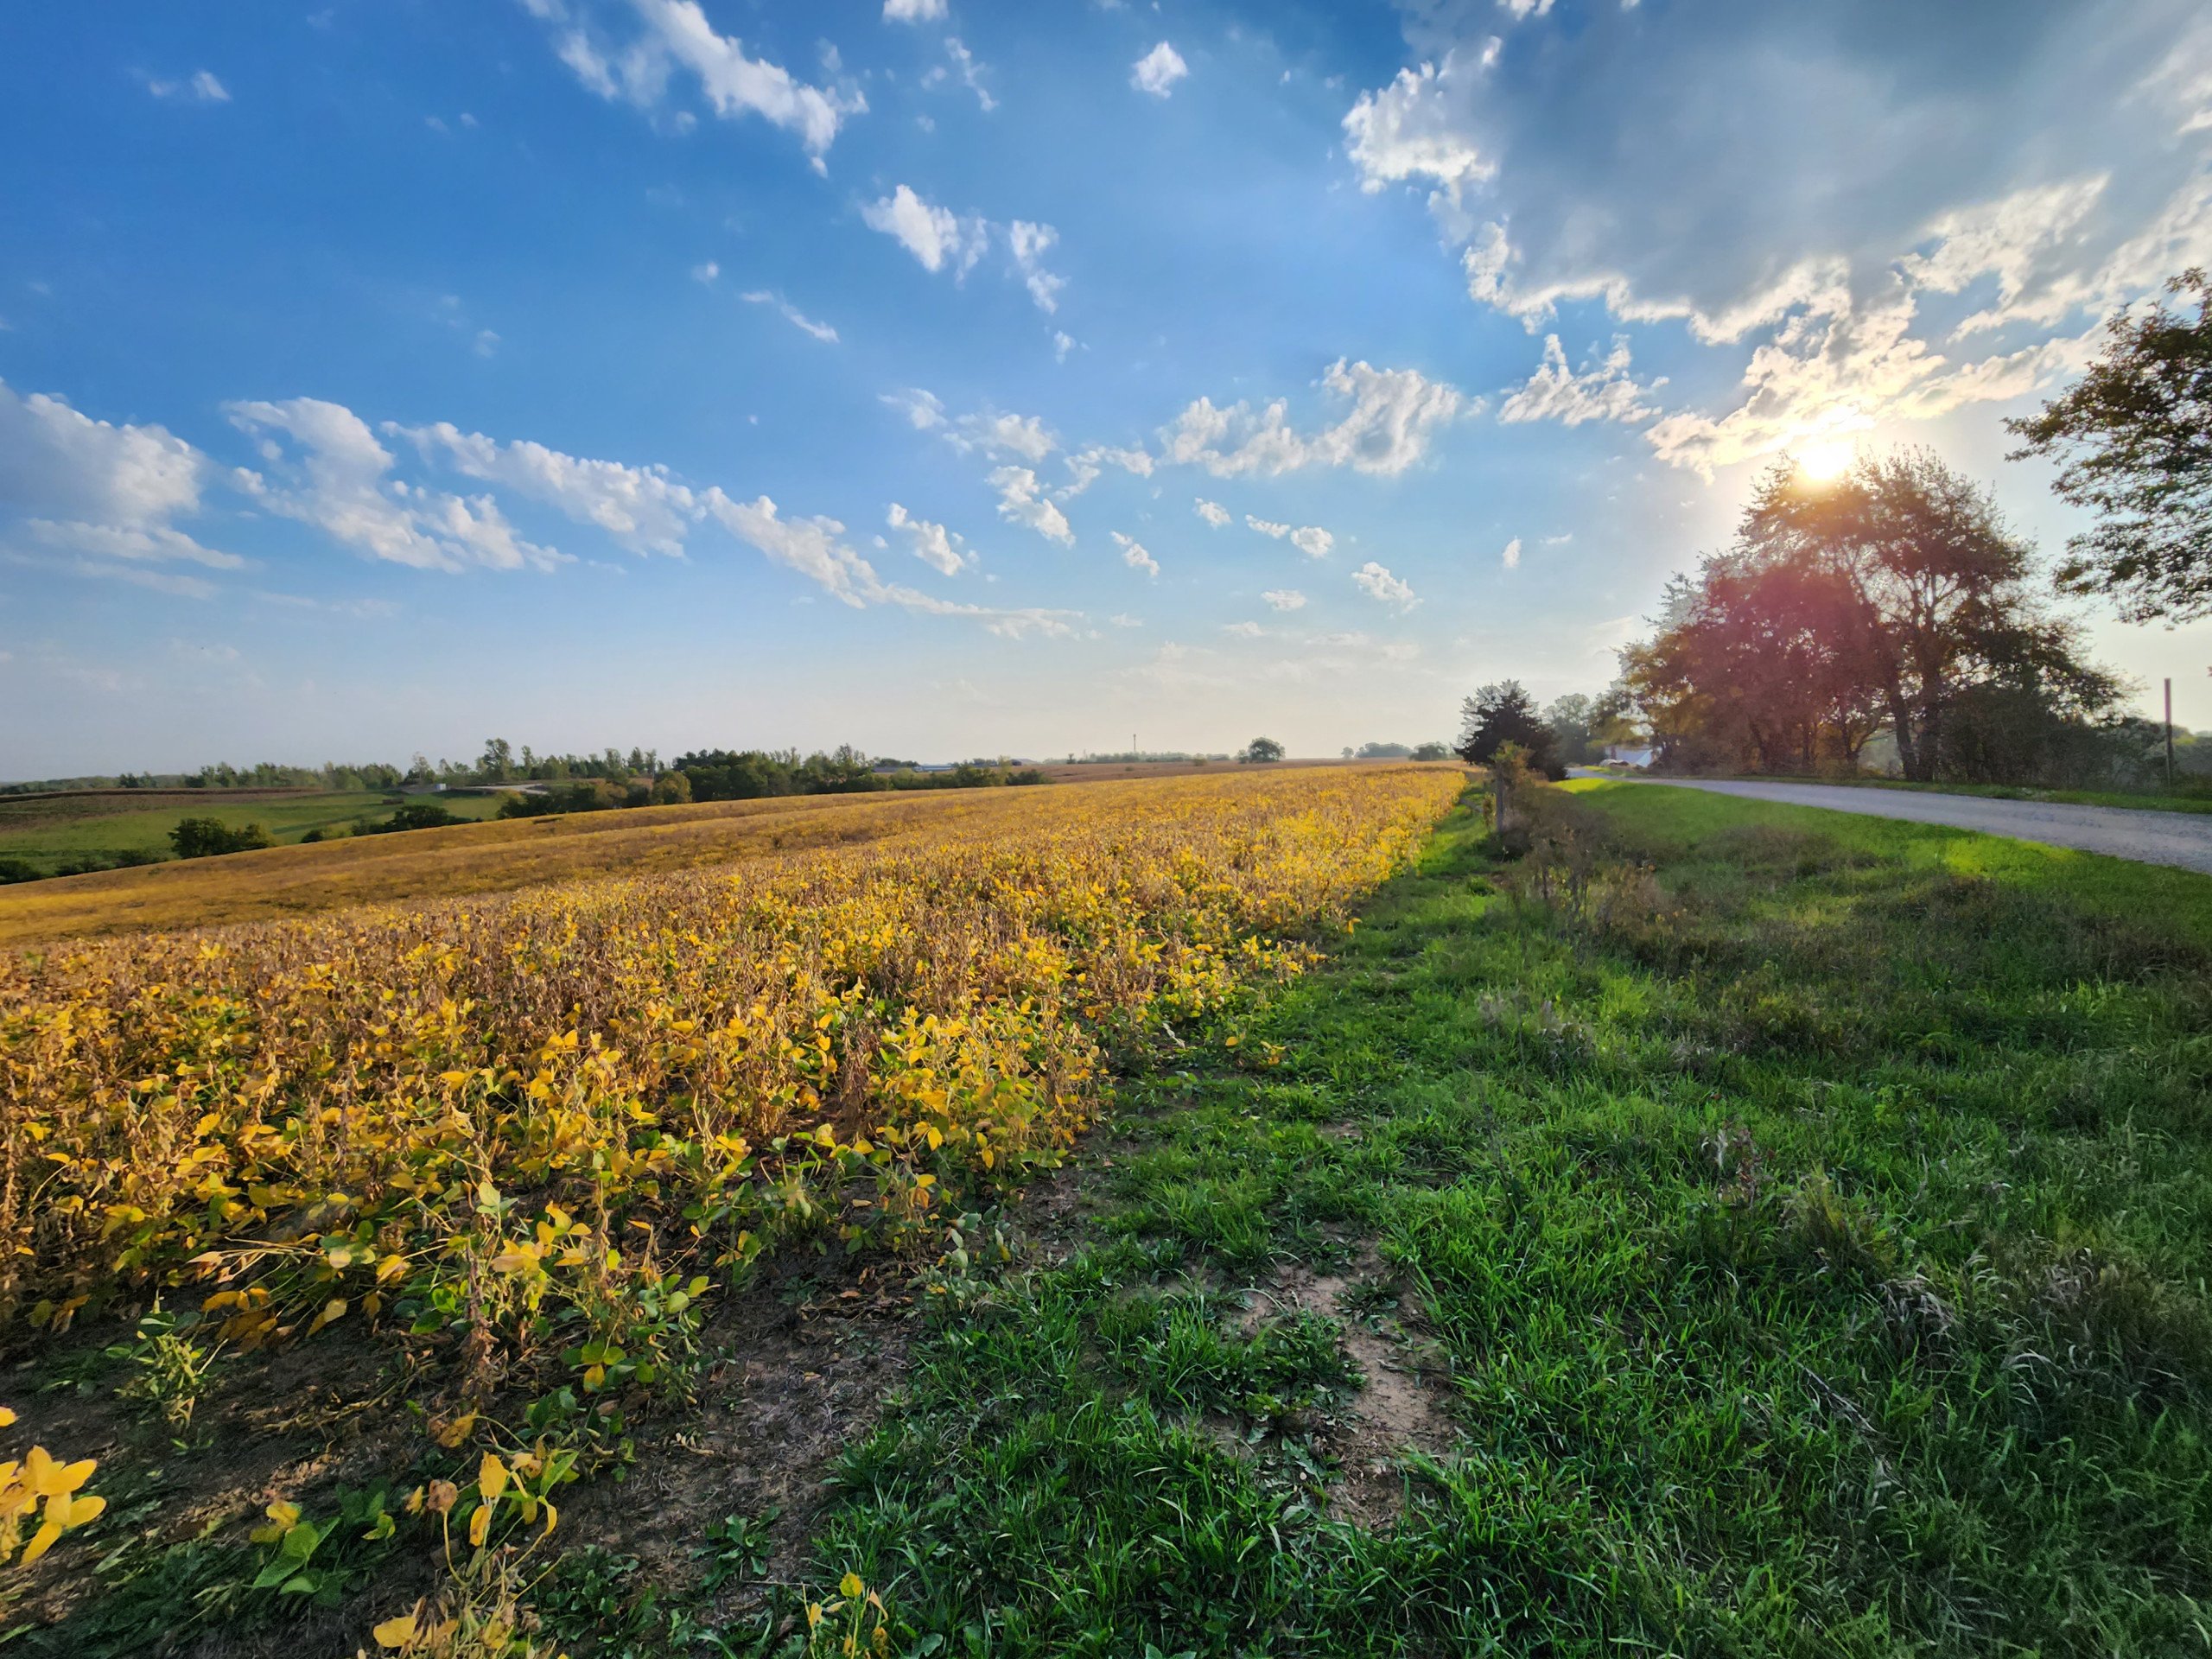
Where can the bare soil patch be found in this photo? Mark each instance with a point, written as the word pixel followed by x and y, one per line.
pixel 1404 1379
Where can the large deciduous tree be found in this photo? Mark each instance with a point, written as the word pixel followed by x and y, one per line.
pixel 2134 438
pixel 1892 598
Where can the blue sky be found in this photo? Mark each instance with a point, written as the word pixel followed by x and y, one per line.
pixel 952 378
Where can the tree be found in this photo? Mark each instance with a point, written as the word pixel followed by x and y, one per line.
pixel 1895 598
pixel 497 764
pixel 671 789
pixel 205 837
pixel 1503 712
pixel 1260 751
pixel 1574 721
pixel 2134 436
pixel 1934 586
pixel 415 815
pixel 1432 752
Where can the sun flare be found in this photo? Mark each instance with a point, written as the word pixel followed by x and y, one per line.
pixel 1821 463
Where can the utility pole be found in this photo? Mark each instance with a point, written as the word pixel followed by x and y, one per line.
pixel 2169 731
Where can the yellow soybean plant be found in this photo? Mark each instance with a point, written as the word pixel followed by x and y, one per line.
pixel 554 1119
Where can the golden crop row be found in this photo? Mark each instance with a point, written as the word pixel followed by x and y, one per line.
pixel 542 1120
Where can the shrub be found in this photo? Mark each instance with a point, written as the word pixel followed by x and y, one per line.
pixel 415 815
pixel 207 837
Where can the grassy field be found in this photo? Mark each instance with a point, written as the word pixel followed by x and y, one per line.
pixel 47 831
pixel 1718 1228
pixel 1801 1253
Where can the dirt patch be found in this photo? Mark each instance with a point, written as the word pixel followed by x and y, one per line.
pixel 800 1373
pixel 1402 1403
pixel 795 1370
pixel 1056 1211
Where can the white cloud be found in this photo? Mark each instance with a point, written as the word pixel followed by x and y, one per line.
pixel 1009 624
pixel 2013 239
pixel 809 546
pixel 1511 556
pixel 914 11
pixel 970 73
pixel 1029 243
pixel 812 546
pixel 1062 343
pixel 1159 70
pixel 202 88
pixel 133 543
pixel 1087 463
pixel 1599 391
pixel 1412 130
pixel 642 508
pixel 1123 619
pixel 793 314
pixel 1134 554
pixel 1025 436
pixel 1242 630
pixel 1020 503
pixel 933 235
pixel 1377 583
pixel 1212 511
pixel 1285 599
pixel 933 543
pixel 942 240
pixel 1310 539
pixel 1394 412
pixel 676 36
pixel 923 409
pixel 58 463
pixel 101 497
pixel 706 272
pixel 341 484
pixel 646 509
pixel 1560 164
pixel 1826 376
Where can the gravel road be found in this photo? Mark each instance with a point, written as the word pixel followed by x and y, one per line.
pixel 2182 839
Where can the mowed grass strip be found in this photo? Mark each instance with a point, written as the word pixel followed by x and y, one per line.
pixel 1802 1220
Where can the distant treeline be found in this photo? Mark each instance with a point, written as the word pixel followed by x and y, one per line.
pixel 748 774
pixel 1399 751
pixel 1143 757
pixel 771 772
pixel 500 763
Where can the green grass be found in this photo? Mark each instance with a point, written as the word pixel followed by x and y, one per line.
pixel 52 831
pixel 1811 1214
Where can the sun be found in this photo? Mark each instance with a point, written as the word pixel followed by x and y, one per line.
pixel 1823 463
